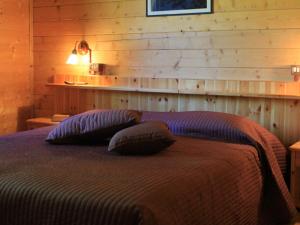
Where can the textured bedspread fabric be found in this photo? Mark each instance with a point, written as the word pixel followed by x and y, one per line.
pixel 220 126
pixel 237 129
pixel 194 182
pixel 229 174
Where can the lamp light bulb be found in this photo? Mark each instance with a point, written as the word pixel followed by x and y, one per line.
pixel 85 59
pixel 73 59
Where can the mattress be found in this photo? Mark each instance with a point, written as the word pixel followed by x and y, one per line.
pixel 196 181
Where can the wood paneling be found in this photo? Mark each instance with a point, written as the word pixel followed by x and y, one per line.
pixel 277 115
pixel 246 46
pixel 274 105
pixel 15 64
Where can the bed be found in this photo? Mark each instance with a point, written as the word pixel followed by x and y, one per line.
pixel 222 169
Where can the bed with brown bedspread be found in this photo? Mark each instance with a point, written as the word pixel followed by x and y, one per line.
pixel 227 173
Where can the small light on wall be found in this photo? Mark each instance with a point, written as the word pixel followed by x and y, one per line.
pixel 295 71
pixel 82 50
pixel 85 59
pixel 73 59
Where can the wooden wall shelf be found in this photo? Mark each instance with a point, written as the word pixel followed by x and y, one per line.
pixel 116 88
pixel 174 91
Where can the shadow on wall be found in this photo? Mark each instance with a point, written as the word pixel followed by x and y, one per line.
pixel 24 113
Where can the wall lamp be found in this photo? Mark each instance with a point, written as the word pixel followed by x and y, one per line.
pixel 295 71
pixel 82 50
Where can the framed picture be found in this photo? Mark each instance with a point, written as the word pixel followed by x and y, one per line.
pixel 178 7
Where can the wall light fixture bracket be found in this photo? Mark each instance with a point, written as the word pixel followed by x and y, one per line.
pixel 81 48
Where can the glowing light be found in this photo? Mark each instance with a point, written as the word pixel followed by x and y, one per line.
pixel 73 59
pixel 81 54
pixel 85 59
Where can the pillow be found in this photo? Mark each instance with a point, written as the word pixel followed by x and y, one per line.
pixel 142 139
pixel 92 126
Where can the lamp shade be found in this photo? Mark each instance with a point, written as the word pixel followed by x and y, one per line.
pixel 81 54
pixel 73 59
pixel 85 59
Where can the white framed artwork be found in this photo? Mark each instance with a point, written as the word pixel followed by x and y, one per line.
pixel 178 7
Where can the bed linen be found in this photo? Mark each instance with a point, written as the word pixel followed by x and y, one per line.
pixel 221 126
pixel 194 182
pixel 238 129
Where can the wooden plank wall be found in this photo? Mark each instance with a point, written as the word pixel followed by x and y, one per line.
pixel 15 64
pixel 278 114
pixel 249 40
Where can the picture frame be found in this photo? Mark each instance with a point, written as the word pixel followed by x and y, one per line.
pixel 178 7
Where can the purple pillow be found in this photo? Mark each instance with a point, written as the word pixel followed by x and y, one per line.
pixel 92 126
pixel 142 139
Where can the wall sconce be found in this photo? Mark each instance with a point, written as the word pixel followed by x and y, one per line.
pixel 82 49
pixel 295 71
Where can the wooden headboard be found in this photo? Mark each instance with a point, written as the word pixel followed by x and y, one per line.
pixel 274 105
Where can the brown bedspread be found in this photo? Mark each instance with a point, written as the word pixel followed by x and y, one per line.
pixel 277 201
pixel 193 182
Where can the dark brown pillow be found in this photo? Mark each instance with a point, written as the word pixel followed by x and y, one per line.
pixel 142 139
pixel 92 126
